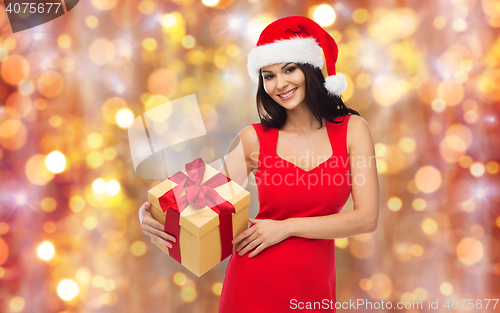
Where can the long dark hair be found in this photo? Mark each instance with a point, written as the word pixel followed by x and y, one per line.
pixel 317 99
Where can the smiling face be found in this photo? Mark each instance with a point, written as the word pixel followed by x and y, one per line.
pixel 285 83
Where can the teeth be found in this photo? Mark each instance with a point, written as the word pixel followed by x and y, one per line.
pixel 286 95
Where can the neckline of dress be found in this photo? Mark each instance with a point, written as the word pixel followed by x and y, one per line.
pixel 327 125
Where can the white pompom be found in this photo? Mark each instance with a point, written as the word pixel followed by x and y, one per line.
pixel 336 84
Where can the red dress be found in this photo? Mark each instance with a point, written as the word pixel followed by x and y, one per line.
pixel 298 271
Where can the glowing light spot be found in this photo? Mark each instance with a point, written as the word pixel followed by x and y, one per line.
pixel 465 161
pixel 459 25
pixel 94 140
pixel 439 22
pixel 234 23
pixel 46 250
pixel 360 15
pixel 470 251
pixel 382 286
pixel 477 169
pixel 14 69
pixel 90 222
pixel 36 171
pixel 17 304
pixel 438 105
pixel 95 159
pixel 188 42
pixel 138 248
pixel 179 279
pixel 210 3
pixel 76 204
pixel 429 226
pixel 149 44
pixel 188 294
pixel 407 144
pixel 9 43
pixel 104 5
pixel 168 20
pixel 394 204
pixel 217 288
pixel 147 7
pixel 341 243
pixel 120 88
pixel 50 84
pixel 20 199
pixel 124 118
pixel 468 205
pixel 55 162
pixel 67 289
pixel 98 281
pixel 451 92
pixel 365 284
pixel 492 167
pixel 480 192
pixel 38 36
pixel 416 250
pixel 83 275
pixel 48 204
pixel 380 86
pixel 64 41
pixel 55 121
pixel 112 187
pixel 324 15
pixel 380 149
pixel 101 51
pixel 233 50
pixel 109 285
pixel 26 87
pixel 40 104
pixel 428 179
pixel 109 153
pixel 91 21
pixel 446 288
pixel 99 186
pixel 419 204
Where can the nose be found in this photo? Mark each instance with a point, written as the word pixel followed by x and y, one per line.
pixel 282 82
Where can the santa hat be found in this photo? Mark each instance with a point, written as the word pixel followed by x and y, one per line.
pixel 297 39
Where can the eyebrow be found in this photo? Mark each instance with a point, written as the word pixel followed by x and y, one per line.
pixel 281 68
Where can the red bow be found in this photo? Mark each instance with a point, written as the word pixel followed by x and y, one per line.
pixel 198 195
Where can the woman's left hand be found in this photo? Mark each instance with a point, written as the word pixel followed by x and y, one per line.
pixel 263 234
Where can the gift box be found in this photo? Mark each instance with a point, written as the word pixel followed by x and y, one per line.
pixel 204 209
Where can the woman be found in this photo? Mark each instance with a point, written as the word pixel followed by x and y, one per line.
pixel 286 259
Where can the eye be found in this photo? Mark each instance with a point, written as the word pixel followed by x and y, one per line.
pixel 268 77
pixel 290 69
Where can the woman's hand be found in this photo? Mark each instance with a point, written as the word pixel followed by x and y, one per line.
pixel 263 234
pixel 152 227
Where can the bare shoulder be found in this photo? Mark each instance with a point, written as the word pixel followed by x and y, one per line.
pixel 249 140
pixel 358 133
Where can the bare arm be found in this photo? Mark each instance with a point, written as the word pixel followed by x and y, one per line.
pixel 366 195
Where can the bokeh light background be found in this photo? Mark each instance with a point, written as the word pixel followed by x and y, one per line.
pixel 424 74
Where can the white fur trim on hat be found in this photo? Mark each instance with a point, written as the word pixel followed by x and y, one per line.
pixel 336 84
pixel 297 50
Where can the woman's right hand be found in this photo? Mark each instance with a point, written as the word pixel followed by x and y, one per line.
pixel 152 227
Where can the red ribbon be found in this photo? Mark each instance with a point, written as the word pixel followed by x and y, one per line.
pixel 198 195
